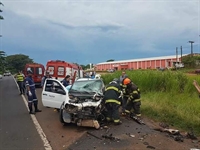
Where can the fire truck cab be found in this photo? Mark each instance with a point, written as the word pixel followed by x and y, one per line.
pixel 59 69
pixel 38 72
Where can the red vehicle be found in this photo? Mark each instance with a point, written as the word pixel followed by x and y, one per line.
pixel 38 72
pixel 60 69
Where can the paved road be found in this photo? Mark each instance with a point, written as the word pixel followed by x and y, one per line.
pixel 17 130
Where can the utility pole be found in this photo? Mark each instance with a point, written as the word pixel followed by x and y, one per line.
pixel 176 57
pixel 191 47
pixel 181 54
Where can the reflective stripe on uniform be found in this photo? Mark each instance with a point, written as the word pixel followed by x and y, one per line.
pixel 20 77
pixel 116 121
pixel 108 119
pixel 136 100
pixel 127 111
pixel 113 101
pixel 112 88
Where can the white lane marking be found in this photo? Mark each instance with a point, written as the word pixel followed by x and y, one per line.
pixel 47 145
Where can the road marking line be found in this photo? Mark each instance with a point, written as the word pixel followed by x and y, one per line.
pixel 47 145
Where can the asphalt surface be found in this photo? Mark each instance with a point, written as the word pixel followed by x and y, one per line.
pixel 17 130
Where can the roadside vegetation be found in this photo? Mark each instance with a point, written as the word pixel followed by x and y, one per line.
pixel 167 96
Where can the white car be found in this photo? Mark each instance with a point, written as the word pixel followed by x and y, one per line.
pixel 1 77
pixel 7 73
pixel 81 105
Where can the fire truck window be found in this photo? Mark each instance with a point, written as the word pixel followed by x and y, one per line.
pixel 60 71
pixel 38 71
pixel 51 70
pixel 30 68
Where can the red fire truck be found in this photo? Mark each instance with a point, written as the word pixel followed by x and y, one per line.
pixel 60 69
pixel 38 72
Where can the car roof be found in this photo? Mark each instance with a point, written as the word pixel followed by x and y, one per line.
pixel 84 79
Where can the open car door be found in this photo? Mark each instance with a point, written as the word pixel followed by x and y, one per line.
pixel 54 93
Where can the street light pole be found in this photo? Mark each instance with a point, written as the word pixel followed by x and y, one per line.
pixel 191 47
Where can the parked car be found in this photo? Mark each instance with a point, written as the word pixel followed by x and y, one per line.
pixel 1 76
pixel 81 105
pixel 7 73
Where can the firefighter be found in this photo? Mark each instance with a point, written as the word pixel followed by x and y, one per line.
pixel 20 82
pixel 112 101
pixel 133 102
pixel 31 93
pixel 125 96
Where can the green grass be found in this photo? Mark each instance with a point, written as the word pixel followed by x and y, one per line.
pixel 167 96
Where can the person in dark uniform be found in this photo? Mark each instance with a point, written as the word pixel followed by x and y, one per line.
pixel 112 101
pixel 66 81
pixel 133 102
pixel 32 98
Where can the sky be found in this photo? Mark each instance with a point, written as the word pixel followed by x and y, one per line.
pixel 94 31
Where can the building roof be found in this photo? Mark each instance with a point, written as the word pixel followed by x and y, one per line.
pixel 142 59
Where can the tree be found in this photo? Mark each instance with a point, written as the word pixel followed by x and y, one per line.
pixel 110 60
pixel 191 61
pixel 2 61
pixel 1 17
pixel 17 62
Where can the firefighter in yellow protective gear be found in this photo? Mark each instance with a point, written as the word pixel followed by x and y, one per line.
pixel 112 101
pixel 133 104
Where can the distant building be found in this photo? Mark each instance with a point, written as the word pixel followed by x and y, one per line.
pixel 143 63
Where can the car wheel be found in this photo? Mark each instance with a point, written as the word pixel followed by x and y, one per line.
pixel 61 114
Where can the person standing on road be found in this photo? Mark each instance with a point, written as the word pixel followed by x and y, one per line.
pixel 46 76
pixel 112 101
pixel 133 102
pixel 31 93
pixel 20 82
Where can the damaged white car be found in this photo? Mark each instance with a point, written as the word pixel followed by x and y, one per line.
pixel 81 105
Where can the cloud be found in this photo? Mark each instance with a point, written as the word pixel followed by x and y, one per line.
pixel 104 28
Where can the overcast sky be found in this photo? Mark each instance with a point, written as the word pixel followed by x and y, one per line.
pixel 94 31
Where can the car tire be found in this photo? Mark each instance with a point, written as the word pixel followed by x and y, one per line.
pixel 61 114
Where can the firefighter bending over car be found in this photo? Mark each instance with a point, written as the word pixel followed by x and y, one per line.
pixel 132 96
pixel 112 101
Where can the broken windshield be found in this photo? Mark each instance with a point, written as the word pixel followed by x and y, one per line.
pixel 88 86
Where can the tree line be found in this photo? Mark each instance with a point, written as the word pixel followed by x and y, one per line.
pixel 17 62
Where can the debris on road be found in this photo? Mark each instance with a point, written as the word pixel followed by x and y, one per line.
pixel 151 147
pixel 110 137
pixel 163 125
pixel 190 135
pixel 94 135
